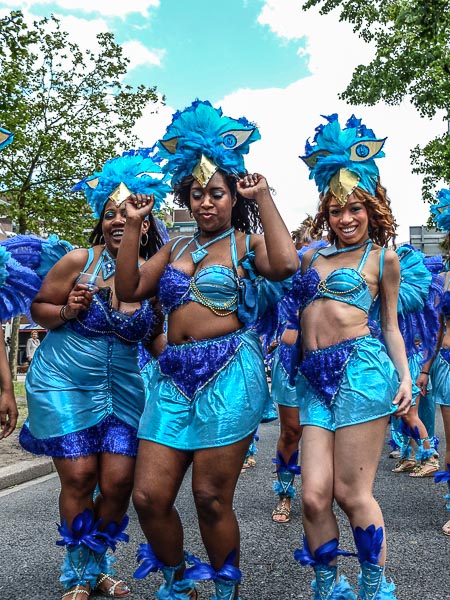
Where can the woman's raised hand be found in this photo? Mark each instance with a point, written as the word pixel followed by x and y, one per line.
pixel 251 185
pixel 139 206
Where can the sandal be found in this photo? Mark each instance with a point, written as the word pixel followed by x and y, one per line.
pixel 404 465
pixel 425 468
pixel 78 589
pixel 122 591
pixel 446 528
pixel 282 511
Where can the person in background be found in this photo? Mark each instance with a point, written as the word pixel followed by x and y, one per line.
pixel 211 388
pixel 32 345
pixel 84 389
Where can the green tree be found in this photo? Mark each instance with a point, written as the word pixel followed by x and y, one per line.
pixel 69 111
pixel 412 60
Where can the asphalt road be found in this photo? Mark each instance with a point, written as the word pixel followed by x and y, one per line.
pixel 418 553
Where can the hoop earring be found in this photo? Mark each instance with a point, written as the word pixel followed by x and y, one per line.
pixel 146 240
pixel 100 240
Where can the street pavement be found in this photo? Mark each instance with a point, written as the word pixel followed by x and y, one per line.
pixel 418 552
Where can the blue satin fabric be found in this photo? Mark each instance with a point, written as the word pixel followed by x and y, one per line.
pixel 74 383
pixel 214 408
pixel 365 390
pixel 440 377
pixel 283 393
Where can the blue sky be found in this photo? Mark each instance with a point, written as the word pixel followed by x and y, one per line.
pixel 267 60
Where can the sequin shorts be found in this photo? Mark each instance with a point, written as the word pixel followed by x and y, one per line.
pixel 282 392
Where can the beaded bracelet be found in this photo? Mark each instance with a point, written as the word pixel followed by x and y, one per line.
pixel 62 315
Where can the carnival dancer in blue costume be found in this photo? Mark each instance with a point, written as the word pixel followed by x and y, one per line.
pixel 347 382
pixel 210 387
pixel 283 392
pixel 84 390
pixel 439 365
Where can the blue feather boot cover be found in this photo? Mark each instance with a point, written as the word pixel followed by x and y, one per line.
pixel 286 472
pixel 425 458
pixel 444 477
pixel 225 580
pixel 82 541
pixel 112 534
pixel 171 589
pixel 328 584
pixel 371 580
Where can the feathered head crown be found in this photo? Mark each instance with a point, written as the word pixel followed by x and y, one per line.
pixel 441 210
pixel 135 172
pixel 342 159
pixel 6 137
pixel 201 139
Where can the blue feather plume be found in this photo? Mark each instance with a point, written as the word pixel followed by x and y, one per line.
pixel 323 555
pixel 203 571
pixel 202 129
pixel 84 531
pixel 410 432
pixel 150 563
pixel 291 466
pixel 441 210
pixel 353 147
pixel 442 476
pixel 138 169
pixel 368 542
pixel 115 532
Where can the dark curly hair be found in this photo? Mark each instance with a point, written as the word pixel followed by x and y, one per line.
pixel 382 224
pixel 152 245
pixel 245 214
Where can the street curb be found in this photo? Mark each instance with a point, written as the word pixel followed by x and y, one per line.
pixel 25 471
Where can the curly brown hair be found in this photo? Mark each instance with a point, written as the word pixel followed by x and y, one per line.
pixel 382 224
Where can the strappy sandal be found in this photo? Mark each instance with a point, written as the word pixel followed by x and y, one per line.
pixel 73 593
pixel 281 510
pixel 446 528
pixel 404 465
pixel 425 468
pixel 111 590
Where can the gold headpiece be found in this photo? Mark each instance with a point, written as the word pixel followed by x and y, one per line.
pixel 204 170
pixel 120 194
pixel 342 184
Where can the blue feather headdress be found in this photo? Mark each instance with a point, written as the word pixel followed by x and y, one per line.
pixel 342 159
pixel 6 137
pixel 136 171
pixel 441 210
pixel 201 139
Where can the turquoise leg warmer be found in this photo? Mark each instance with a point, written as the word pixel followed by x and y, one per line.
pixel 82 541
pixel 424 453
pixel 371 580
pixel 225 580
pixel 286 472
pixel 225 589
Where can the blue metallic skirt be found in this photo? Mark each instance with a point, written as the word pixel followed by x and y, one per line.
pixel 75 384
pixel 346 384
pixel 440 377
pixel 206 394
pixel 282 392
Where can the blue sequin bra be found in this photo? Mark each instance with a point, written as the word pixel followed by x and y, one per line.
pixel 101 319
pixel 214 286
pixel 344 285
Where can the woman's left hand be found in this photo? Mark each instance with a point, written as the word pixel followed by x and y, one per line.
pixel 403 399
pixel 251 185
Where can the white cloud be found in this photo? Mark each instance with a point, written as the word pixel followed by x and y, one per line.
pixel 108 8
pixel 138 54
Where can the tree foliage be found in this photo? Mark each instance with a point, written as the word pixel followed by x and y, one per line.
pixel 69 111
pixel 412 60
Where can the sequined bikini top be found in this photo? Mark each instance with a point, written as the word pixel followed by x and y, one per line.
pixel 214 286
pixel 101 319
pixel 344 285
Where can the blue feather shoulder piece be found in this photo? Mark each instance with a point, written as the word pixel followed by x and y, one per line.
pixel 441 210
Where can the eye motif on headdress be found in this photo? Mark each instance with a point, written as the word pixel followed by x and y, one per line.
pixel 201 140
pixel 133 172
pixel 6 137
pixel 441 210
pixel 342 159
